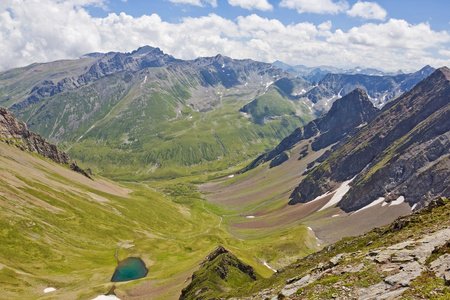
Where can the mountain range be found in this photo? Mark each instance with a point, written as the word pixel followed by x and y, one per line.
pixel 150 115
pixel 265 174
pixel 358 167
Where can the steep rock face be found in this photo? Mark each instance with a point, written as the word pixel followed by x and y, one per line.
pixel 220 272
pixel 402 152
pixel 346 114
pixel 17 133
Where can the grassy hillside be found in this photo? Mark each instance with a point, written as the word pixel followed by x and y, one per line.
pixel 169 145
pixel 60 229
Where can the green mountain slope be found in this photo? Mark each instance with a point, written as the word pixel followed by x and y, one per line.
pixel 65 231
pixel 219 273
pixel 148 114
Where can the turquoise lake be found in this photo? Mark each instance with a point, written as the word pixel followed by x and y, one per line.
pixel 130 268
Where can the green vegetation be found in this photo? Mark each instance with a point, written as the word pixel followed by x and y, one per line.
pixel 190 143
pixel 60 229
pixel 224 273
pixel 270 105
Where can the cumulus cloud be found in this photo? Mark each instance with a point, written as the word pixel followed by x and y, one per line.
pixel 316 6
pixel 367 10
pixel 252 4
pixel 397 34
pixel 55 29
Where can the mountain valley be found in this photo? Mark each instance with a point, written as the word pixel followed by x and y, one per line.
pixel 228 178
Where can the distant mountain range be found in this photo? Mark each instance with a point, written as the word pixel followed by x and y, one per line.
pixel 152 115
pixel 315 74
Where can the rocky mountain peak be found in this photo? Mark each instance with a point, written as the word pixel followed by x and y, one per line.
pixel 353 109
pixel 442 72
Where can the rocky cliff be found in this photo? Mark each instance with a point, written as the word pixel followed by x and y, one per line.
pixel 403 152
pixel 14 131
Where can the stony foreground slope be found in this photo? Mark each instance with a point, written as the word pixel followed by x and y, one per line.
pixel 409 258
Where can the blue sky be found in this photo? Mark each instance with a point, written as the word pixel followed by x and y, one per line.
pixel 388 35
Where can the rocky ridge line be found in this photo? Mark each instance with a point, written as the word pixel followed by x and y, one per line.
pixel 405 145
pixel 345 116
pixel 15 132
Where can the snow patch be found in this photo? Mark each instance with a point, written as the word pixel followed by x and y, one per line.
pixel 413 207
pixel 334 216
pixel 384 204
pixel 106 297
pixel 399 201
pixel 250 217
pixel 231 176
pixel 145 80
pixel 340 192
pixel 376 202
pixel 267 265
pixel 49 290
pixel 320 197
pixel 310 228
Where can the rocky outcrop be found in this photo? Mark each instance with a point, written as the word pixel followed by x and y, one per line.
pixel 14 131
pixel 219 272
pixel 344 117
pixel 402 152
pixel 419 258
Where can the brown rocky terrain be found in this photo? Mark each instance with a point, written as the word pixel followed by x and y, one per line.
pixel 404 151
pixel 15 132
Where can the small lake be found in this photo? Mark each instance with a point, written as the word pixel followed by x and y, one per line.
pixel 130 268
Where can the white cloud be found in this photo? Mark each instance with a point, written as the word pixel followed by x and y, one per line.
pixel 213 3
pixel 367 10
pixel 252 4
pixel 316 6
pixel 54 29
pixel 395 34
pixel 444 52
